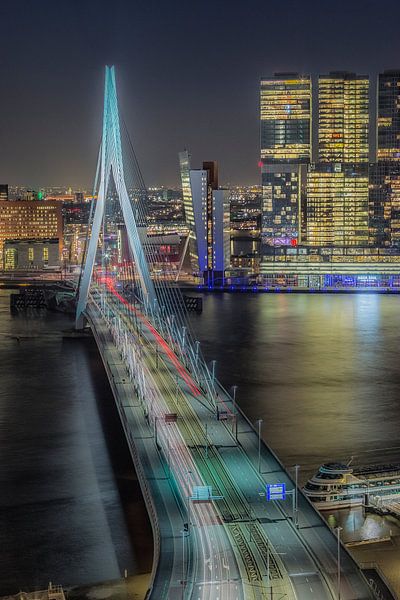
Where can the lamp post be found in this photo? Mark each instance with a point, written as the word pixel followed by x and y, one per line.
pixel 234 389
pixel 188 474
pixel 338 529
pixel 213 364
pixel 259 423
pixel 296 496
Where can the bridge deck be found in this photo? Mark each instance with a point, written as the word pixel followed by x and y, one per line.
pixel 255 537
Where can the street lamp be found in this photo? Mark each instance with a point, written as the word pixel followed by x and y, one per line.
pixel 188 474
pixel 338 529
pixel 259 423
pixel 296 495
pixel 185 533
pixel 234 389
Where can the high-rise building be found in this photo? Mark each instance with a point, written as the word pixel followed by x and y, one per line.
pixel 285 113
pixel 283 196
pixel 384 204
pixel 388 123
pixel 208 218
pixel 196 248
pixel 285 136
pixel 343 118
pixel 30 220
pixel 337 205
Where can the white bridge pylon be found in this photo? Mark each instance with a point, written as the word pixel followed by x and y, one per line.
pixel 111 162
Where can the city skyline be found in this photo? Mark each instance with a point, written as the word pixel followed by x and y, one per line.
pixel 183 91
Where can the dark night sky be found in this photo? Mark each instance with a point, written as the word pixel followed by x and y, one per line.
pixel 188 75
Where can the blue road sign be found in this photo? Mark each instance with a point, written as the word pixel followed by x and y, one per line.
pixel 276 491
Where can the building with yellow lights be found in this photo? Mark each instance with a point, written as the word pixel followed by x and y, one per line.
pixel 285 138
pixel 337 205
pixel 343 118
pixel 388 121
pixel 23 220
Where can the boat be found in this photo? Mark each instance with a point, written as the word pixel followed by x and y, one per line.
pixel 338 485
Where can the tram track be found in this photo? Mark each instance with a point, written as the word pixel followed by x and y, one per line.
pixel 233 509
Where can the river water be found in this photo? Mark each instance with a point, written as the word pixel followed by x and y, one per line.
pixel 71 510
pixel 322 371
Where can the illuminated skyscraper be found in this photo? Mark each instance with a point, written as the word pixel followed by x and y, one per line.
pixel 343 118
pixel 384 204
pixel 285 112
pixel 337 205
pixel 388 124
pixel 208 218
pixel 285 136
pixel 283 196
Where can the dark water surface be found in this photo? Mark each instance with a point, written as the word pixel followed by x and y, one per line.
pixel 322 371
pixel 71 510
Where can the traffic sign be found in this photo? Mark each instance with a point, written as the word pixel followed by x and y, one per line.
pixel 276 491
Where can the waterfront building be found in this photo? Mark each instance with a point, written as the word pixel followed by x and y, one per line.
pixel 388 116
pixel 207 215
pixel 25 255
pixel 384 204
pixel 343 118
pixel 285 140
pixel 337 205
pixel 327 267
pixel 30 219
pixel 283 198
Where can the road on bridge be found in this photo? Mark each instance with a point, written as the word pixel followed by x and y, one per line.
pixel 239 538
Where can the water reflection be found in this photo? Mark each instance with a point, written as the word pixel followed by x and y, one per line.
pixel 320 370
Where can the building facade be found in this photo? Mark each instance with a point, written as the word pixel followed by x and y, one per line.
pixel 285 115
pixel 343 118
pixel 337 205
pixel 30 220
pixel 207 215
pixel 384 204
pixel 285 147
pixel 388 118
pixel 26 255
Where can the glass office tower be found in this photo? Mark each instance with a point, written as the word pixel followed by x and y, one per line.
pixel 384 203
pixel 285 113
pixel 343 118
pixel 388 123
pixel 285 145
pixel 337 205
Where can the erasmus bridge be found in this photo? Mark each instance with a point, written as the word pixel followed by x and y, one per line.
pixel 203 468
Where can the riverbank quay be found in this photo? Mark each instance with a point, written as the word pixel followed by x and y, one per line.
pixel 254 289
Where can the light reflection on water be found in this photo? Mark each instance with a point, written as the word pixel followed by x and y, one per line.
pixel 322 371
